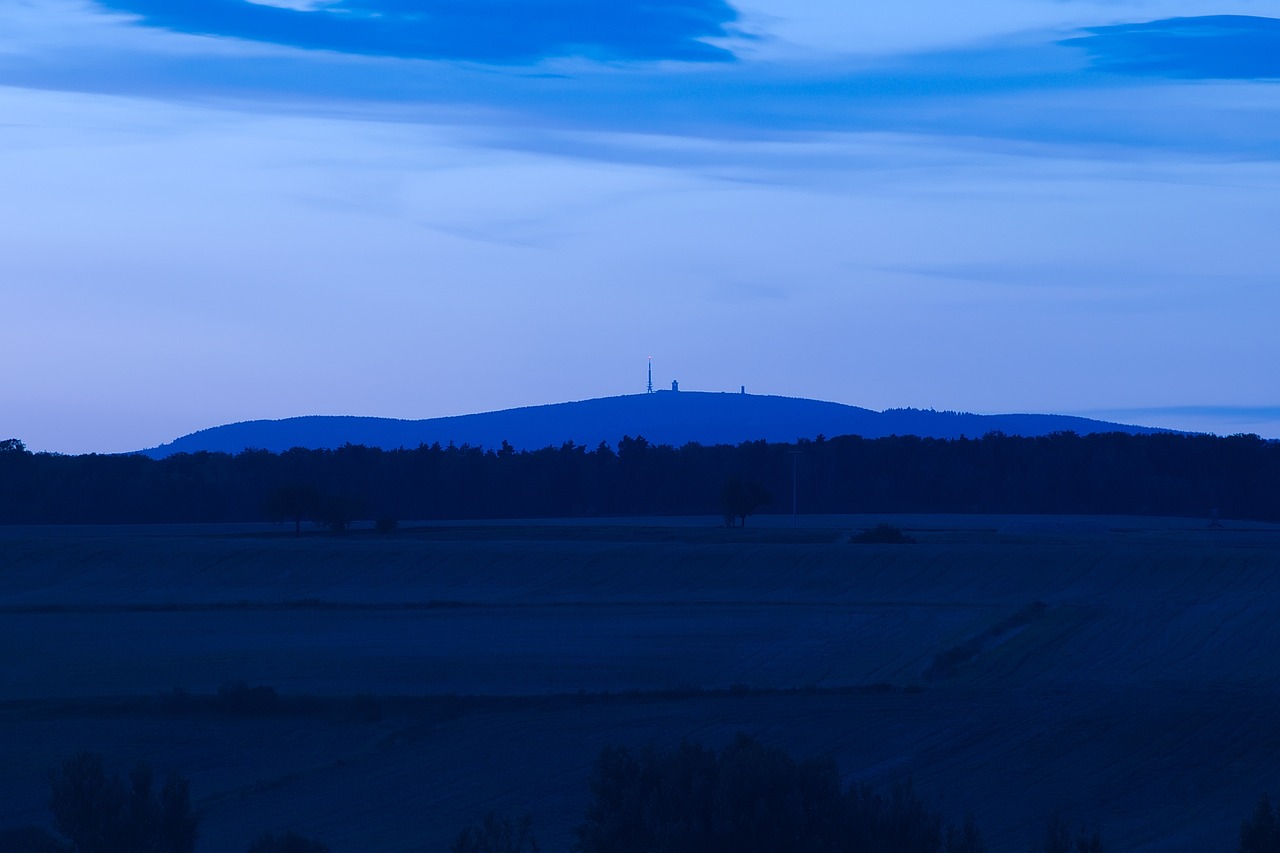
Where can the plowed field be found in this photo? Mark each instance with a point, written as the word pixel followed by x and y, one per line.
pixel 424 678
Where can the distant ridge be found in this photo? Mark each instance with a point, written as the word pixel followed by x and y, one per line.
pixel 665 417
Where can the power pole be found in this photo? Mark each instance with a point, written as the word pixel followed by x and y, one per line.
pixel 795 456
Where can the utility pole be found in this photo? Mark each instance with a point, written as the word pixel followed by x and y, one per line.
pixel 795 456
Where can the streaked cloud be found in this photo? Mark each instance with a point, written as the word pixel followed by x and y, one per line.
pixel 1215 47
pixel 492 31
pixel 1033 91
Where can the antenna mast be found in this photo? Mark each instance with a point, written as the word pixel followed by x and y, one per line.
pixel 650 388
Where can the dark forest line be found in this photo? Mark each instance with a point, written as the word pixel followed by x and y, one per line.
pixel 746 797
pixel 1062 473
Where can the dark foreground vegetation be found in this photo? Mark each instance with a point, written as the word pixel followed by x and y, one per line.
pixel 744 798
pixel 1112 473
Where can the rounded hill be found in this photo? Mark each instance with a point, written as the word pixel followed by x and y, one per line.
pixel 666 417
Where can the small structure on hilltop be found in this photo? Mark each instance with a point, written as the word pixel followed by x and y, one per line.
pixel 675 386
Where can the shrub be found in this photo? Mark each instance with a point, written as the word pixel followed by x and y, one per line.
pixel 337 513
pixel 386 524
pixel 882 534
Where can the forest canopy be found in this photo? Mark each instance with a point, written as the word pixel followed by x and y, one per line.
pixel 1106 473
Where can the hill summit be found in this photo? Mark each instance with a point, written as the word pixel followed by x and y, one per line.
pixel 665 417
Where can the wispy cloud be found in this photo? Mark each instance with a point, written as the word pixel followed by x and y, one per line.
pixel 539 88
pixel 1216 47
pixel 495 31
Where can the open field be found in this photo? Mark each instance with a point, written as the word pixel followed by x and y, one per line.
pixel 453 669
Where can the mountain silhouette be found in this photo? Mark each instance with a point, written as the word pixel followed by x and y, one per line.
pixel 665 417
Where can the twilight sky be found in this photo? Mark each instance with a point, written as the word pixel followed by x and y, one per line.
pixel 221 210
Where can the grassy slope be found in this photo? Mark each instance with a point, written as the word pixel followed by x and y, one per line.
pixel 1143 698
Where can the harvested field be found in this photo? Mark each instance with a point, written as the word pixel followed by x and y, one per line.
pixel 424 678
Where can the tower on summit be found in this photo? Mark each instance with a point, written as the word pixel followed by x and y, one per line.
pixel 649 390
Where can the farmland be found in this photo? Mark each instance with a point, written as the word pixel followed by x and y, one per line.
pixel 1119 670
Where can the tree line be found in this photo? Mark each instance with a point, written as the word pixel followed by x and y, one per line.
pixel 1107 473
pixel 744 798
pixel 747 797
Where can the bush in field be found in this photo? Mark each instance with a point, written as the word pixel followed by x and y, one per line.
pixel 882 534
pixel 750 798
pixel 98 813
pixel 497 835
pixel 386 524
pixel 337 513
pixel 1260 833
pixel 287 842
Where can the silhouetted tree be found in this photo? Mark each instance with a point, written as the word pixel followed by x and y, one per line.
pixel 295 503
pixel 740 499
pixel 1260 833
pixel 748 798
pixel 965 838
pixel 98 813
pixel 1061 837
pixel 287 842
pixel 497 835
pixel 12 445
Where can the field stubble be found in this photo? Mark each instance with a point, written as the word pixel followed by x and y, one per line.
pixel 1141 697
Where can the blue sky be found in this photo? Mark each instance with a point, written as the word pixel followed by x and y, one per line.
pixel 221 210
